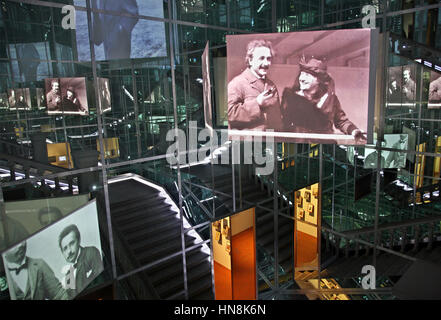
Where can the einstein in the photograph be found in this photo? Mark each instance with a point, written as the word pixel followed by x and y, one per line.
pixel 311 86
pixel 253 100
pixel 83 261
pixel 409 85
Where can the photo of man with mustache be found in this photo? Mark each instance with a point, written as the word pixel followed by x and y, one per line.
pixel 253 99
pixel 85 262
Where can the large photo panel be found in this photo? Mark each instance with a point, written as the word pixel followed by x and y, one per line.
pixel 19 99
pixel 388 159
pixel 206 84
pixel 312 86
pixel 119 33
pixel 401 88
pixel 58 262
pixel 66 96
pixel 435 90
pixel 30 61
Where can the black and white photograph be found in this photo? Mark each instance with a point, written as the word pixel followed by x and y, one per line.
pixel 59 262
pixel 19 99
pixel 104 89
pixel 401 87
pixel 305 86
pixel 350 153
pixel 30 216
pixel 206 84
pixel 389 159
pixel 434 90
pixel 122 37
pixel 394 95
pixel 411 137
pixel 4 100
pixel 40 98
pixel 66 95
pixel 30 61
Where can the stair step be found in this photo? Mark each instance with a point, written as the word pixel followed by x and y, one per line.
pixel 174 269
pixel 138 206
pixel 134 219
pixel 256 196
pixel 174 260
pixel 151 232
pixel 172 246
pixel 147 224
pixel 175 284
pixel 149 242
pixel 201 289
pixel 148 197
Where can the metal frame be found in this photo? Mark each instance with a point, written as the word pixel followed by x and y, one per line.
pixel 173 23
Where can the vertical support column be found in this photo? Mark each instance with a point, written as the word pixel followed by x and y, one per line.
pixel 135 102
pixel 417 238
pixel 86 159
pixel 3 221
pixel 11 166
pixel 380 133
pixel 39 147
pixel 276 221
pixel 175 115
pixel 430 236
pixel 319 215
pixel 101 142
pixel 234 144
pixel 273 15
pixel 357 246
pixel 403 239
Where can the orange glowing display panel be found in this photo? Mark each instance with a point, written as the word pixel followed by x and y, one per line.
pixel 306 226
pixel 234 256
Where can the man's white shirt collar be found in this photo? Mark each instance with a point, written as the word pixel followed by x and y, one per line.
pixel 256 75
pixel 13 265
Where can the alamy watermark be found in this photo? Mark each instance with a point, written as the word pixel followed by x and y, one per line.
pixel 69 20
pixel 368 21
pixel 368 281
pixel 255 150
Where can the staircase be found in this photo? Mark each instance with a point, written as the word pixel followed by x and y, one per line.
pixel 147 222
pixel 253 193
pixel 415 238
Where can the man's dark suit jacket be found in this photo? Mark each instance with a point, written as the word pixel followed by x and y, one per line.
pixel 89 266
pixel 42 283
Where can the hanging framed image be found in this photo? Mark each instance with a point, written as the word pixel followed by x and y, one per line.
pixel 303 93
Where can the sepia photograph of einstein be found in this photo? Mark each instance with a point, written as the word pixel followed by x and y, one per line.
pixel 310 86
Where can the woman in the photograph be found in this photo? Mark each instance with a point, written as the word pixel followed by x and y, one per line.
pixel 311 105
pixel 71 103
pixel 394 91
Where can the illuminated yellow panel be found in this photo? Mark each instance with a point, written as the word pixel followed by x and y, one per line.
pixel 111 147
pixel 59 154
pixel 419 168
pixel 437 161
